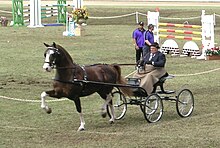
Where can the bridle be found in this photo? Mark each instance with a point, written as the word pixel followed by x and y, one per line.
pixel 53 62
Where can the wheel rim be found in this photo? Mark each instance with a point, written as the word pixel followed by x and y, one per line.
pixel 185 103
pixel 119 105
pixel 153 108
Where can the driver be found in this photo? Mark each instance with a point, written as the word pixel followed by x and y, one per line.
pixel 153 64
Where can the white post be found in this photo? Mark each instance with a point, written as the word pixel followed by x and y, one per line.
pixel 78 3
pixel 207 33
pixel 153 18
pixel 65 33
pixel 214 15
pixel 136 16
pixel 35 14
pixel 70 26
pixel 82 3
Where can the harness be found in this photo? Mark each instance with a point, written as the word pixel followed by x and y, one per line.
pixel 52 64
pixel 84 72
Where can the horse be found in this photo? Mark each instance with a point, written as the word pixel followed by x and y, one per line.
pixel 69 77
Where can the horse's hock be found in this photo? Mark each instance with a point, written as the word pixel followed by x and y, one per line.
pixel 4 21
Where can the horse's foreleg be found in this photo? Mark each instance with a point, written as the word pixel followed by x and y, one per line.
pixel 79 110
pixel 43 103
pixel 82 122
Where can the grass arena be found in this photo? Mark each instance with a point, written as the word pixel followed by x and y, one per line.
pixel 24 124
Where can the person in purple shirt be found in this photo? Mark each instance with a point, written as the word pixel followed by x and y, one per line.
pixel 149 39
pixel 138 40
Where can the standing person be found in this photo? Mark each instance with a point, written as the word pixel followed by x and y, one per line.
pixel 154 63
pixel 149 39
pixel 138 40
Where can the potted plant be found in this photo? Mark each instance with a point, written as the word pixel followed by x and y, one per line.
pixel 80 15
pixel 213 54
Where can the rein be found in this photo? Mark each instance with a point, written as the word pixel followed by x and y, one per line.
pixel 126 64
pixel 92 65
pixel 64 67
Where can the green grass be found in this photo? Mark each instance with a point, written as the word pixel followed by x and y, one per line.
pixel 24 124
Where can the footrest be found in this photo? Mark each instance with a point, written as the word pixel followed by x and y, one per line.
pixel 139 93
pixel 163 79
pixel 135 101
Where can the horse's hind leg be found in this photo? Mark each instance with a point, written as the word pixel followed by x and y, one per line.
pixel 43 103
pixel 112 112
pixel 104 106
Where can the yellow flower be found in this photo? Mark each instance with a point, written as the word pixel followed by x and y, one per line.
pixel 80 13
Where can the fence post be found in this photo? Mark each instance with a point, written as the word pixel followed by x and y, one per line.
pixel 136 15
pixel 17 12
pixel 35 14
pixel 62 8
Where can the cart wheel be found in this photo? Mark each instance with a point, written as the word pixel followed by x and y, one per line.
pixel 119 104
pixel 153 108
pixel 185 103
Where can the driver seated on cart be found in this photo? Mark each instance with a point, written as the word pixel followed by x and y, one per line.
pixel 152 68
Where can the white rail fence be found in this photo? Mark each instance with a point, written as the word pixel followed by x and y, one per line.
pixel 142 14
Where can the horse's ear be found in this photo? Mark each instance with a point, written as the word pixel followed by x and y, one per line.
pixel 46 45
pixel 54 44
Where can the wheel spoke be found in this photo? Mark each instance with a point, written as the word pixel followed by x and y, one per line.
pixel 153 108
pixel 119 105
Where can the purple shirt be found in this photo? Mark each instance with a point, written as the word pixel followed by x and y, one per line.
pixel 149 36
pixel 138 35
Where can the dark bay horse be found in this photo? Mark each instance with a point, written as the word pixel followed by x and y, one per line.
pixel 67 71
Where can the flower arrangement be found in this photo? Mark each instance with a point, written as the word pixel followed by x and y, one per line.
pixel 213 51
pixel 80 14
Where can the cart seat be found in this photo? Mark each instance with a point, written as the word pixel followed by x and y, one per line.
pixel 160 84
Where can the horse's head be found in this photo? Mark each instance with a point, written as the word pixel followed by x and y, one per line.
pixel 51 56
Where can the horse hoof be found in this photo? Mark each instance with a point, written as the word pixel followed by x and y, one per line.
pixel 111 122
pixel 104 115
pixel 49 110
pixel 81 129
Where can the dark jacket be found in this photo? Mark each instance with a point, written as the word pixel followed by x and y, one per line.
pixel 158 59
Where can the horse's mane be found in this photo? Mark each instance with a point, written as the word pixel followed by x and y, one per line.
pixel 64 51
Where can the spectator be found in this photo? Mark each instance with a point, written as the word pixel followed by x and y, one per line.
pixel 138 40
pixel 149 39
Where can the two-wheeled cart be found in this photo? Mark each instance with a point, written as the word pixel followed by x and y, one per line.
pixel 152 105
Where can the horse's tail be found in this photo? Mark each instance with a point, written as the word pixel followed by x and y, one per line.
pixel 121 80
